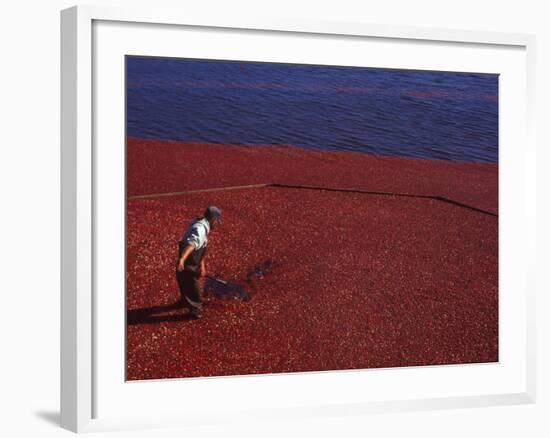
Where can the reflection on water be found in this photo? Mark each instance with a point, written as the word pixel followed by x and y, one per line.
pixel 226 290
pixel 260 271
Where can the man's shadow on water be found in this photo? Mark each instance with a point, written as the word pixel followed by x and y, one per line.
pixel 149 315
pixel 212 287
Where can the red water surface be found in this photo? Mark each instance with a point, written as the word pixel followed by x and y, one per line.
pixel 360 281
pixel 167 166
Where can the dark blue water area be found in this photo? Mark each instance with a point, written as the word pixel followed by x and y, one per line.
pixel 422 114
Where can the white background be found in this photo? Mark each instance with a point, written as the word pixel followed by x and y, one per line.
pixel 29 181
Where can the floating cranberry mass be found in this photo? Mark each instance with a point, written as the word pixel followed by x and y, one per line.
pixel 337 280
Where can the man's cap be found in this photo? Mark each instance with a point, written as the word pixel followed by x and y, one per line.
pixel 214 212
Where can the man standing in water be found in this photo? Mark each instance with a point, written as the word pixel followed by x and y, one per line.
pixel 192 251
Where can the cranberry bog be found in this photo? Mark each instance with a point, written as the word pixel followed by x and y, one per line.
pixel 348 260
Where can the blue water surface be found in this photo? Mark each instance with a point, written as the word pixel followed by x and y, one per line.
pixel 419 114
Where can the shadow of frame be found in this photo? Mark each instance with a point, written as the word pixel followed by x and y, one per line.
pixel 51 417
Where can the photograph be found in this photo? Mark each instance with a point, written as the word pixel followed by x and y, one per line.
pixel 290 218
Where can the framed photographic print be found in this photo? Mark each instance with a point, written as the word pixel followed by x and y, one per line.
pixel 288 218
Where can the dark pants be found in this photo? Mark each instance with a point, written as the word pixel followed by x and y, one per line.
pixel 190 290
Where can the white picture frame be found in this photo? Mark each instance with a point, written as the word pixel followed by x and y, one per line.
pixel 80 167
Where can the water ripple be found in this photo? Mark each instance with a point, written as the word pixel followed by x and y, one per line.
pixel 393 112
